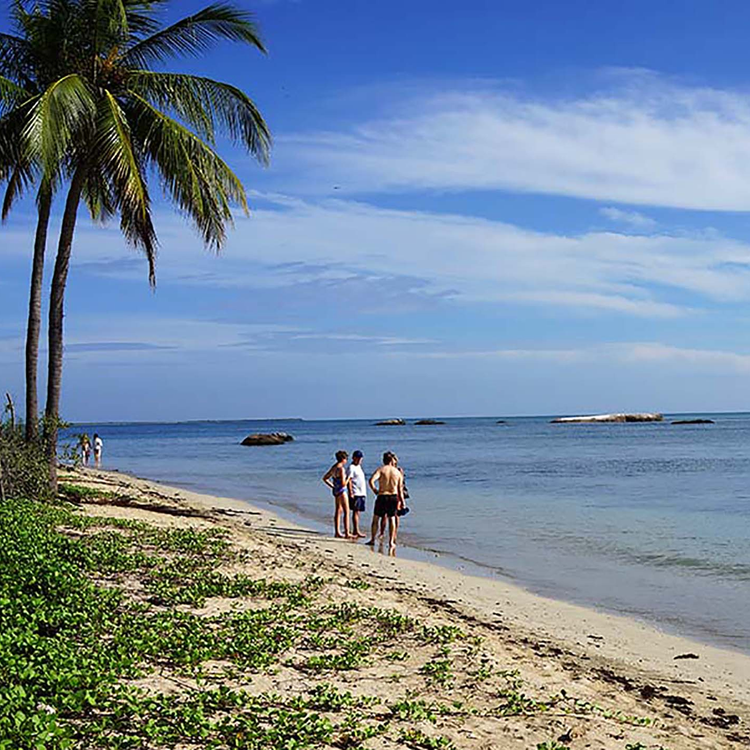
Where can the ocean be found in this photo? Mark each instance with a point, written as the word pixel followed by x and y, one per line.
pixel 649 520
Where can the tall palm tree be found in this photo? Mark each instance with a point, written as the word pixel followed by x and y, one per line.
pixel 109 121
pixel 23 60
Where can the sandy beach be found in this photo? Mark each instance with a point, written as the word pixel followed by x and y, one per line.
pixel 605 681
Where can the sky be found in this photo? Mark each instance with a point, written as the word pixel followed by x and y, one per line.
pixel 473 208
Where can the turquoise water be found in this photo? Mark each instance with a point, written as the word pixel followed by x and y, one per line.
pixel 650 520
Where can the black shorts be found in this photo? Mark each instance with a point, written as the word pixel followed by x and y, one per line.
pixel 386 505
pixel 357 503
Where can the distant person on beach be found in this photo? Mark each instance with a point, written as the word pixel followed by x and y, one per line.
pixel 357 492
pixel 85 445
pixel 98 445
pixel 337 479
pixel 390 497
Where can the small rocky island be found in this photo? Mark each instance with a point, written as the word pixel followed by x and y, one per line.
pixel 694 421
pixel 272 438
pixel 428 421
pixel 598 418
pixel 390 423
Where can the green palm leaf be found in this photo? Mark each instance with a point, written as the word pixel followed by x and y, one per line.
pixel 198 180
pixel 194 34
pixel 204 104
pixel 11 95
pixel 116 159
pixel 63 112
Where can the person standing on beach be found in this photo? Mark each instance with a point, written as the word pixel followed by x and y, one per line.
pixel 98 445
pixel 402 509
pixel 85 444
pixel 390 497
pixel 357 492
pixel 337 479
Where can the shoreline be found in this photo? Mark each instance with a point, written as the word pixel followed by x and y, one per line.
pixel 636 651
pixel 412 549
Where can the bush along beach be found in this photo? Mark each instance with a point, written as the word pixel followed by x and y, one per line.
pixel 194 629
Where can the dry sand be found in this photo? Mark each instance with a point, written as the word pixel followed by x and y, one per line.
pixel 626 669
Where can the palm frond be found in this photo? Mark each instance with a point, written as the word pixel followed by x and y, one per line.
pixel 109 24
pixel 117 159
pixel 14 55
pixel 203 104
pixel 19 180
pixel 11 95
pixel 63 112
pixel 198 180
pixel 195 34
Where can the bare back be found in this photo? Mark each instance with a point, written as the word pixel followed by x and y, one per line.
pixel 389 480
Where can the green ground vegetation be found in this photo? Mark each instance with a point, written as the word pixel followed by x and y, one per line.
pixel 106 642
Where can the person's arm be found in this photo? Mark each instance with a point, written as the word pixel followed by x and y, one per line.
pixel 373 478
pixel 327 477
pixel 400 491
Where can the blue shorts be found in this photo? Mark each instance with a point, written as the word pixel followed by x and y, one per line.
pixel 357 503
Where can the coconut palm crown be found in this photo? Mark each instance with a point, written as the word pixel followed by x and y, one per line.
pixel 85 101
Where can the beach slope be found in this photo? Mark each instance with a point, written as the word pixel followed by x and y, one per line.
pixel 392 653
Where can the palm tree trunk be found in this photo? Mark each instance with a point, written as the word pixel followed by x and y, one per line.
pixel 56 313
pixel 44 204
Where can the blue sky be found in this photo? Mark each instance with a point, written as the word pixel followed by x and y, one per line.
pixel 475 208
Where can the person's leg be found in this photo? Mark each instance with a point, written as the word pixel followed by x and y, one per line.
pixel 392 531
pixel 355 522
pixel 345 511
pixel 336 516
pixel 373 528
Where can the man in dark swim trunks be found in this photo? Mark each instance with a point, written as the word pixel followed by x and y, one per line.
pixel 390 497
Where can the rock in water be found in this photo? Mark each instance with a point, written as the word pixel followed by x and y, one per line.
pixel 694 421
pixel 272 438
pixel 645 417
pixel 390 422
pixel 429 421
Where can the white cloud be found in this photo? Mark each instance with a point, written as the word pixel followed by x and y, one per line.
pixel 639 354
pixel 645 143
pixel 339 245
pixel 630 218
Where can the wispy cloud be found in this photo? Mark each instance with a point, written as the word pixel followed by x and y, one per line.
pixel 117 346
pixel 630 218
pixel 644 142
pixel 638 354
pixel 361 258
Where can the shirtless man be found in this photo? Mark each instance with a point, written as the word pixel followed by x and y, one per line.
pixel 390 497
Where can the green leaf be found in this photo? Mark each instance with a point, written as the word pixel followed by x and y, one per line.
pixel 195 34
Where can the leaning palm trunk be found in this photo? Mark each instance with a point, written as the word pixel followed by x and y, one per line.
pixel 56 314
pixel 35 315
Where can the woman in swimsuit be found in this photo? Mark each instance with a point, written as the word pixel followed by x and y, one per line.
pixel 337 479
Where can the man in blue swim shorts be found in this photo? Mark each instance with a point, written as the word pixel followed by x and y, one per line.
pixel 357 492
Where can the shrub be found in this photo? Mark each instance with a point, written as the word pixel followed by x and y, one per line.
pixel 23 466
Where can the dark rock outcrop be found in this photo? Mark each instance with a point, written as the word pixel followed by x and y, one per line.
pixel 272 438
pixel 694 421
pixel 428 421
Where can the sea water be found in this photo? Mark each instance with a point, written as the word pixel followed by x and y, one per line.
pixel 650 519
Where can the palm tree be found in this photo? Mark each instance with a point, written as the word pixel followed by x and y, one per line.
pixel 22 62
pixel 109 121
